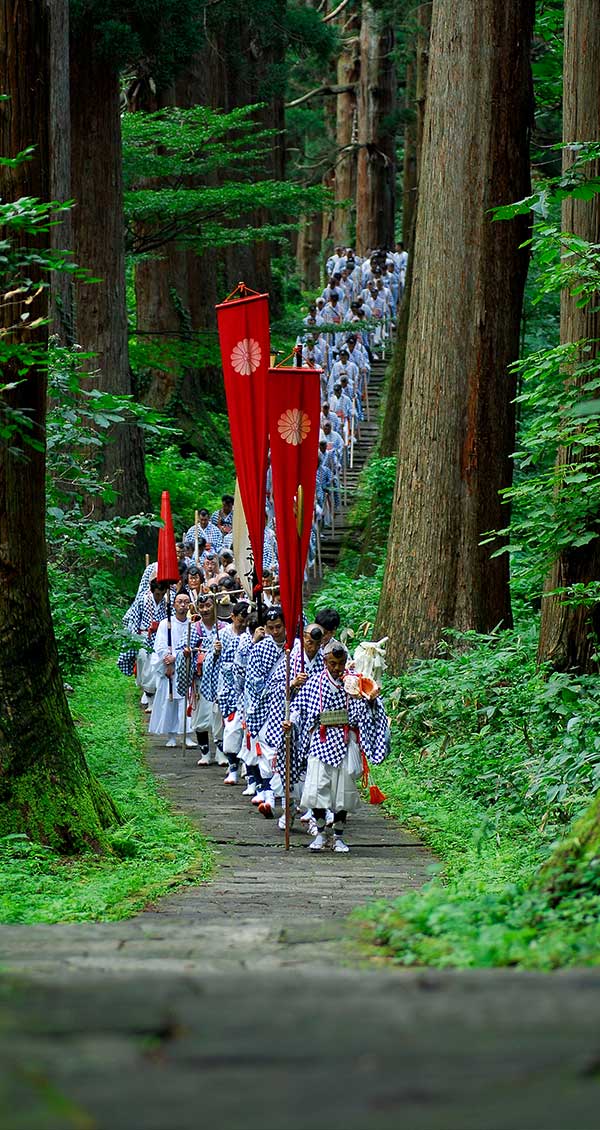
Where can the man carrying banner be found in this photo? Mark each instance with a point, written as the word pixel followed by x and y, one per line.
pixel 265 659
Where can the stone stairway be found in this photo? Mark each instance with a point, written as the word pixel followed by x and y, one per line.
pixel 332 543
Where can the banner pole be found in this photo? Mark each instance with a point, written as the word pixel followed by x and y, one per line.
pixel 288 750
pixel 169 639
pixel 187 682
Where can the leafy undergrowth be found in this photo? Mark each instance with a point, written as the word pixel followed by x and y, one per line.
pixel 492 762
pixel 154 849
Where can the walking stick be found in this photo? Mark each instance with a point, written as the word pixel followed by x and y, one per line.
pixel 319 561
pixel 196 538
pixel 288 750
pixel 169 640
pixel 147 560
pixel 352 435
pixel 187 681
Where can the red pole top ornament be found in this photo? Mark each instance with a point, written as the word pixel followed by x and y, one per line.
pixel 168 565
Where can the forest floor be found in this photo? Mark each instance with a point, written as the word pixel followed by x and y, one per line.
pixel 250 999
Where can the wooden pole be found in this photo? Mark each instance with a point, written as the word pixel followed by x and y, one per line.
pixel 187 682
pixel 288 750
pixel 169 639
pixel 196 538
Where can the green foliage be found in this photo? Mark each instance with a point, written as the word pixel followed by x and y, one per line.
pixel 356 597
pixel 554 508
pixel 191 481
pixel 492 762
pixel 168 158
pixel 157 37
pixel 153 848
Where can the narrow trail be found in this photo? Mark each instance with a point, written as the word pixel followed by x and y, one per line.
pixel 247 1002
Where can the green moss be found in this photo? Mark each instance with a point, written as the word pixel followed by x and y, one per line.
pixel 151 851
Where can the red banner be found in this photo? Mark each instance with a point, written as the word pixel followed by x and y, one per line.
pixel 245 344
pixel 294 398
pixel 168 565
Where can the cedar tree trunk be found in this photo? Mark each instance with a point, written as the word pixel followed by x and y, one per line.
pixel 569 634
pixel 99 246
pixel 375 187
pixel 46 790
pixel 348 70
pixel 457 430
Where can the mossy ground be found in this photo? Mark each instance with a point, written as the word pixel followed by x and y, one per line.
pixel 152 850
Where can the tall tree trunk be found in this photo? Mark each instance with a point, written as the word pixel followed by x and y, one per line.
pixel 45 787
pixel 395 376
pixel 375 187
pixel 457 419
pixel 409 164
pixel 390 423
pixel 61 308
pixel 348 70
pixel 99 245
pixel 309 251
pixel 569 634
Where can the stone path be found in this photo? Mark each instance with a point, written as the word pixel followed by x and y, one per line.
pixel 245 1004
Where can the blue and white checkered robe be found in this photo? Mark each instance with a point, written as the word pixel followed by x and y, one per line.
pixel 201 639
pixel 274 733
pixel 264 662
pixel 136 621
pixel 149 572
pixel 322 693
pixel 239 670
pixel 210 533
pixel 227 692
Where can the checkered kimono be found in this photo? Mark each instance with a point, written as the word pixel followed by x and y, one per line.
pixel 137 620
pixel 201 643
pixel 227 694
pixel 274 734
pixel 329 743
pixel 240 664
pixel 264 662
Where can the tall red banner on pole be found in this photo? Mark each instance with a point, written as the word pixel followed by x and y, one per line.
pixel 294 398
pixel 245 344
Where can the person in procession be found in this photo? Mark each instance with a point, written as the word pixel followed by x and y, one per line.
pixel 169 703
pixel 333 721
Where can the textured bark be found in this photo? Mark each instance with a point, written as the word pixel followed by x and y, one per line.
pixel 390 424
pixel 308 253
pixel 45 787
pixel 99 245
pixel 348 70
pixel 395 375
pixel 375 187
pixel 457 428
pixel 569 635
pixel 61 308
pixel 409 166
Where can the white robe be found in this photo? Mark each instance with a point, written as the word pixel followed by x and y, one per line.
pixel 167 713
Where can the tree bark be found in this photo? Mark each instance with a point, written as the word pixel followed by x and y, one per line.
pixel 308 252
pixel 395 376
pixel 46 790
pixel 99 246
pixel 569 635
pixel 375 187
pixel 457 430
pixel 348 69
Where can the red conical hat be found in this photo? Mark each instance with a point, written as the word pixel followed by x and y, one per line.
pixel 168 565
